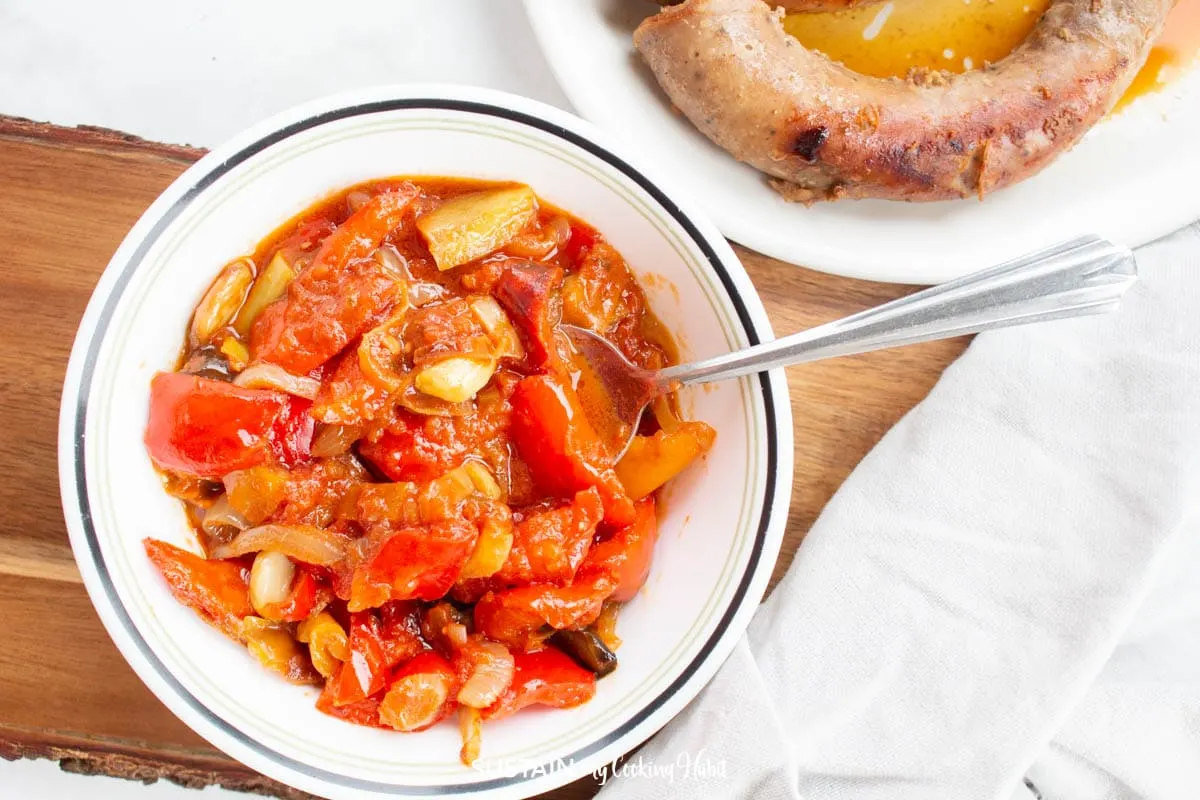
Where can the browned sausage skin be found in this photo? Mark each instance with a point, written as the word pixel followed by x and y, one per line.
pixel 825 132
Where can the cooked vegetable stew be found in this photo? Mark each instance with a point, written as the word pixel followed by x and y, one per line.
pixel 382 440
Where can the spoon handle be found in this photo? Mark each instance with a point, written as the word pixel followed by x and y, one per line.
pixel 1084 276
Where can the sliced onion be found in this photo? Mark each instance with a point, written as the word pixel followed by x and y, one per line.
pixel 306 543
pixel 491 548
pixel 492 676
pixel 456 379
pixel 542 244
pixel 220 517
pixel 471 729
pixel 381 355
pixel 489 313
pixel 334 440
pixel 357 199
pixel 418 402
pixel 456 634
pixel 559 229
pixel 358 550
pixel 390 259
pixel 273 376
pixel 422 294
pixel 606 625
pixel 482 479
pixel 505 342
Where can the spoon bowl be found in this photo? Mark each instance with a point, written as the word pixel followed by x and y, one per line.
pixel 626 388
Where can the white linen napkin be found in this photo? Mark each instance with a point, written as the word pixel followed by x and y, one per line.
pixel 964 589
pixel 1136 734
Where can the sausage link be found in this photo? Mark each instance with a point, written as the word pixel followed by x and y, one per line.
pixel 823 132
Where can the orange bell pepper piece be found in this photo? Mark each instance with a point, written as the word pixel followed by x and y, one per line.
pixel 651 461
pixel 216 590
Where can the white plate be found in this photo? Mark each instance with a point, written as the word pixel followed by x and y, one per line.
pixel 712 561
pixel 1132 179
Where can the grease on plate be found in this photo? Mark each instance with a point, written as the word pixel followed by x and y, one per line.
pixel 889 39
pixel 1176 50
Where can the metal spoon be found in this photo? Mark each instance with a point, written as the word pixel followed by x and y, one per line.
pixel 1083 276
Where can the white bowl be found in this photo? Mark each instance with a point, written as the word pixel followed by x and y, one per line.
pixel 722 523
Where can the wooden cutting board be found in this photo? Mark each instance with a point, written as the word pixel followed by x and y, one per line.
pixel 67 197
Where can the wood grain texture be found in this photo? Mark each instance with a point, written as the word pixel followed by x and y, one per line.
pixel 67 197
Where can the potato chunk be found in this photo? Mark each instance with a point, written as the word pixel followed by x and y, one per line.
pixel 470 226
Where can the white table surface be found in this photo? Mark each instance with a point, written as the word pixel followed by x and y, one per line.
pixel 198 72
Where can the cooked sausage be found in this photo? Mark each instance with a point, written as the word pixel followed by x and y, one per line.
pixel 825 132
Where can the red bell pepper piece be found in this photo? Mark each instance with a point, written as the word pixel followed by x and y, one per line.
pixel 341 293
pixel 518 617
pixel 549 545
pixel 546 677
pixel 365 672
pixel 216 590
pixel 304 595
pixel 554 437
pixel 424 662
pixel 419 562
pixel 421 694
pixel 376 646
pixel 579 242
pixel 529 293
pixel 625 556
pixel 211 428
pixel 292 435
